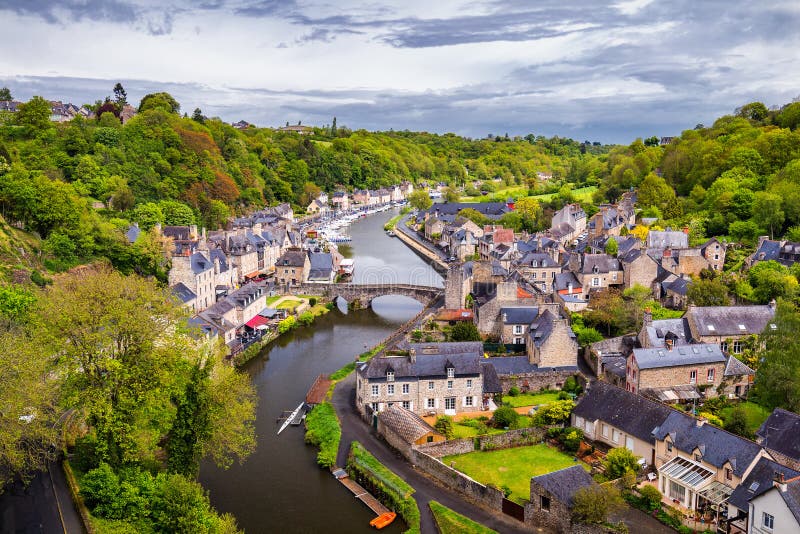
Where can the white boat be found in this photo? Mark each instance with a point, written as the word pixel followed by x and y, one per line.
pixel 292 416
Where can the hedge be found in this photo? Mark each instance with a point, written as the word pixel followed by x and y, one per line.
pixel 323 431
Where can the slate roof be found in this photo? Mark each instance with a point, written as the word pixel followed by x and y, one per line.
pixel 792 497
pixel 631 413
pixel 680 285
pixel 321 265
pixel 781 433
pixel 491 382
pixel 563 281
pixel 537 259
pixel 667 239
pixel 717 446
pixel 616 365
pixel 292 258
pixel 178 233
pixel 492 210
pixel 767 250
pixel 658 330
pixel 603 262
pixel 483 292
pixel 133 233
pixel 726 320
pixel 216 253
pixel 464 357
pixel 758 481
pixel 565 483
pixel 520 315
pixel 654 358
pixel 734 367
pixel 405 423
pixel 200 263
pixel 183 292
pixel 517 365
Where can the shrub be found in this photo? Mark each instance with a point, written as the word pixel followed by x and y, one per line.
pixel 737 422
pixel 570 439
pixel 593 504
pixel 286 324
pixel 563 395
pixel 571 385
pixel 651 497
pixel 504 417
pixel 444 425
pixel 620 460
pixel 465 331
pixel 554 413
pixel 323 430
pixel 513 392
pixel 306 318
pixel 86 455
pixel 711 418
pixel 313 301
pixel 416 335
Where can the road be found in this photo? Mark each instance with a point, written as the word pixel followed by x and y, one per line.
pixel 354 429
pixel 401 227
pixel 40 507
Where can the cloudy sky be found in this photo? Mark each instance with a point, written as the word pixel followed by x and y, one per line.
pixel 608 73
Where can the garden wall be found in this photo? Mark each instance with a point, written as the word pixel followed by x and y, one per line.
pixel 491 498
pixel 512 438
pixel 446 448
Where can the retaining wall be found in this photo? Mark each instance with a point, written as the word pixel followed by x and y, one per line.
pixel 421 249
pixel 513 438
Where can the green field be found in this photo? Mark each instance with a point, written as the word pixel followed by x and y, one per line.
pixel 530 399
pixel 289 304
pixel 450 522
pixel 756 414
pixel 583 194
pixel 511 467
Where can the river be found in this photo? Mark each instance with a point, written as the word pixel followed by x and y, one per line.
pixel 279 488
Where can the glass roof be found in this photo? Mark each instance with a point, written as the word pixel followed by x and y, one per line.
pixel 716 492
pixel 686 472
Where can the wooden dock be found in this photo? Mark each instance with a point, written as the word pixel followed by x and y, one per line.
pixel 360 493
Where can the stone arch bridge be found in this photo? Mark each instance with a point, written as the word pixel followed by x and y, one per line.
pixel 361 295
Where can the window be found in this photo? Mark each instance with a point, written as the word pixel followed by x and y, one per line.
pixel 518 329
pixel 724 346
pixel 518 341
pixel 737 347
pixel 407 405
pixel 469 382
pixel 430 385
pixel 693 377
pixel 451 372
pixel 615 435
pixel 375 390
pixel 711 375
pixel 431 403
pixel 605 430
pixel 768 521
pixel 533 276
pixel 390 389
pixel 390 376
pixel 450 403
pixel 614 276
pixel 374 406
pixel 669 446
pixel 545 503
pixel 449 384
pixel 595 282
pixel 728 474
pixel 676 491
pixel 430 439
pixel 405 389
pixel 698 457
pixel 468 401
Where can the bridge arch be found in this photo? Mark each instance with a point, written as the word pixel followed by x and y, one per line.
pixel 365 293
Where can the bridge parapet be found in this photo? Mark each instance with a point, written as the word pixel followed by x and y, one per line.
pixel 366 292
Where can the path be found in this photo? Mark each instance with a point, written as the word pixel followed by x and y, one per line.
pixel 354 429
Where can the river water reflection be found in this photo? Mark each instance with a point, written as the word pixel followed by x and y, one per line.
pixel 280 488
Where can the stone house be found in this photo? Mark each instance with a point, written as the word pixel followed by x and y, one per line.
pixel 568 223
pixel 539 269
pixel 786 253
pixel 516 322
pixel 402 429
pixel 493 236
pixel 728 326
pixel 638 268
pixel 248 300
pixel 777 509
pixel 667 367
pixel 292 268
pixel 243 255
pixel 432 378
pixel 361 196
pixel 780 435
pixel 552 497
pixel 317 206
pixel 184 295
pixel 433 228
pixel 406 188
pixel 341 201
pixel 611 219
pixel 196 272
pixel 490 297
pixel 618 418
pixel 761 479
pixel 596 271
pixel 321 268
pixel 222 318
pixel 550 342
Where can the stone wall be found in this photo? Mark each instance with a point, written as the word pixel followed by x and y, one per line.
pixel 535 381
pixel 513 438
pixel 488 497
pixel 393 439
pixel 447 448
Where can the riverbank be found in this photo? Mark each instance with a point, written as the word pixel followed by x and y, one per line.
pixel 409 237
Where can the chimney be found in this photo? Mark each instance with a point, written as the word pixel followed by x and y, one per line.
pixel 647 319
pixel 779 481
pixel 700 421
pixel 505 317
pixel 412 355
pixel 686 230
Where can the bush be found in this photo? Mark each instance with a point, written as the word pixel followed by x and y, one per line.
pixel 571 385
pixel 323 430
pixel 737 422
pixel 505 417
pixel 306 318
pixel 620 460
pixel 593 504
pixel 313 301
pixel 513 392
pixel 554 413
pixel 570 439
pixel 286 324
pixel 651 497
pixel 563 395
pixel 86 455
pixel 444 425
pixel 711 418
pixel 465 331
pixel 416 335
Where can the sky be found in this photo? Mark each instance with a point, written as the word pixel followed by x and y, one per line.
pixel 582 69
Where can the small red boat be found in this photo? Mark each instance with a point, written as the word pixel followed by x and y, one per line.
pixel 383 520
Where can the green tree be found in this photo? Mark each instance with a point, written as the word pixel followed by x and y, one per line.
pixel 754 111
pixel 162 101
pixel 554 413
pixel 197 116
pixel 217 215
pixel 465 331
pixel 593 504
pixel 708 293
pixel 651 496
pixel 333 128
pixel 120 95
pixel 474 215
pixel 505 417
pixel 771 280
pixel 34 115
pixel 5 94
pixel 778 378
pixel 176 213
pixel 768 211
pixel 444 425
pixel 148 215
pixel 655 192
pixel 612 247
pixel 420 200
pixel 620 460
pixel 736 422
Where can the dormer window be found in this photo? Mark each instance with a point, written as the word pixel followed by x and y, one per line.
pixel 451 372
pixel 390 376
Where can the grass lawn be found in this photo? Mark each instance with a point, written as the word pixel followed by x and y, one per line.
pixel 289 304
pixel 511 467
pixel 450 522
pixel 582 194
pixel 530 399
pixel 462 430
pixel 271 300
pixel 756 414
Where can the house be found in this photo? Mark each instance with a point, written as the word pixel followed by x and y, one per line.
pixel 596 271
pixel 493 236
pixel 243 255
pixel 184 295
pixel 406 188
pixel 784 252
pixel 397 193
pixel 321 267
pixel 663 332
pixel 638 268
pixel 611 219
pixel 341 201
pixel 553 496
pixel 451 316
pixel 402 429
pixel 133 233
pixel 361 196
pixel 777 509
pixel 196 272
pixel 292 268
pixel 491 210
pixel 728 326
pixel 539 269
pixel 128 112
pixel 317 206
pixel 663 239
pixel 434 228
pixel 431 378
pixel 241 125
pixel 618 418
pixel 780 435
pixel 516 322
pixel 661 369
pixel 760 480
pixel 567 224
pixel 551 342
pixel 298 129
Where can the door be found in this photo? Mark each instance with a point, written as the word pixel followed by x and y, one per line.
pixel 450 405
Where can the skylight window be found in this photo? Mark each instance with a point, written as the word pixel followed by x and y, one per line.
pixel 773 326
pixel 711 328
pixel 754 487
pixel 741 327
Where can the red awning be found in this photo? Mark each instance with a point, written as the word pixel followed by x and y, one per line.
pixel 257 321
pixel 252 275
